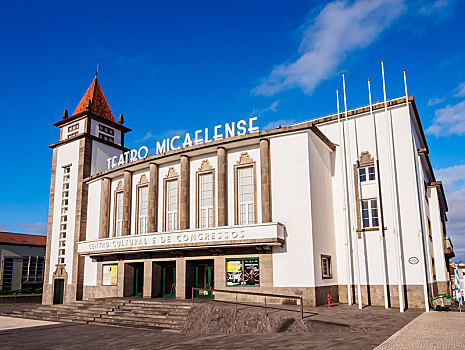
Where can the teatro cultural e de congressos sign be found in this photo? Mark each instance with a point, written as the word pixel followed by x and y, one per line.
pixel 176 142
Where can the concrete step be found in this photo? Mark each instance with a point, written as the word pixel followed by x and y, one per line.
pixel 147 315
pixel 137 324
pixel 145 319
pixel 158 311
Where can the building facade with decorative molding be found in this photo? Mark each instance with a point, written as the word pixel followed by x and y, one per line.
pixel 346 205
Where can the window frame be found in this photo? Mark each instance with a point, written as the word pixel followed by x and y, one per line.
pixel 138 216
pixel 323 275
pixel 205 169
pixel 244 162
pixel 367 174
pixel 170 176
pixel 118 190
pixel 370 215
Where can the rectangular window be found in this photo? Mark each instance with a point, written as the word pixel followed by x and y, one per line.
pixel 171 205
pixel 40 269
pixel 119 213
pixel 246 195
pixel 366 174
pixel 326 270
pixel 206 200
pixel 73 127
pixel 105 129
pixel 369 213
pixel 72 134
pixel 106 137
pixel 242 272
pixel 143 200
pixel 25 269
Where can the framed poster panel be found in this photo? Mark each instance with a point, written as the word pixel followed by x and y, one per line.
pixel 110 275
pixel 242 272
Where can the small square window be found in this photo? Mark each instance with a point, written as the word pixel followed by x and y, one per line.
pixel 326 270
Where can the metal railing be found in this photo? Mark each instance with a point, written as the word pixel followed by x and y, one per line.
pixel 236 292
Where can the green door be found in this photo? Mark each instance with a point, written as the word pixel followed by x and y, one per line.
pixel 138 279
pixel 203 279
pixel 168 281
pixel 58 291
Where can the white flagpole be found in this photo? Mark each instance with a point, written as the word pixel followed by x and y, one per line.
pixel 394 194
pixel 378 190
pixel 343 165
pixel 352 221
pixel 421 213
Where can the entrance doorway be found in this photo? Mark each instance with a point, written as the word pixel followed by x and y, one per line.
pixel 133 279
pixel 199 274
pixel 58 290
pixel 138 286
pixel 168 279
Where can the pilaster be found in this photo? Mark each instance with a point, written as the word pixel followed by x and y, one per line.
pixel 127 203
pixel 265 173
pixel 222 189
pixel 153 199
pixel 184 197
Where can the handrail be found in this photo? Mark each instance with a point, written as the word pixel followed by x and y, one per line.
pixel 298 297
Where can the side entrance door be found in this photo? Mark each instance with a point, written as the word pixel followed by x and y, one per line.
pixel 138 279
pixel 168 279
pixel 58 290
pixel 204 279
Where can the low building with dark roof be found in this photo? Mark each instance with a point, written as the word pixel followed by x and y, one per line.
pixel 22 260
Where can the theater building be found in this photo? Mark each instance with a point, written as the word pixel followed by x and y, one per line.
pixel 320 207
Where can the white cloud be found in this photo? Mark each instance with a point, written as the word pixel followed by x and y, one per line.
pixel 39 228
pixel 170 133
pixel 433 8
pixel 453 179
pixel 435 101
pixel 271 108
pixel 460 90
pixel 339 28
pixel 448 121
pixel 278 123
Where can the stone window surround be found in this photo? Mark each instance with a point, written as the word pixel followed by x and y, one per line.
pixel 143 182
pixel 119 189
pixel 243 162
pixel 325 256
pixel 366 160
pixel 172 175
pixel 205 168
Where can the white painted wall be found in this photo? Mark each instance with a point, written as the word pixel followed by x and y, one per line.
pixel 94 130
pixel 293 264
pixel 100 153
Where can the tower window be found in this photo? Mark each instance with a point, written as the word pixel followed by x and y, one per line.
pixel 106 137
pixel 369 213
pixel 105 129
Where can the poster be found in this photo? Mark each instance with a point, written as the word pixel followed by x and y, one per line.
pixel 110 275
pixel 242 272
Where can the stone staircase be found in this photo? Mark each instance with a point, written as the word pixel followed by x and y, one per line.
pixel 160 314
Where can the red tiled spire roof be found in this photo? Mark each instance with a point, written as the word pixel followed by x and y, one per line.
pixel 98 102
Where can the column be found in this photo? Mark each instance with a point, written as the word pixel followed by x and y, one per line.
pixel 222 189
pixel 147 291
pixel 180 278
pixel 153 199
pixel 184 197
pixel 265 172
pixel 105 208
pixel 127 203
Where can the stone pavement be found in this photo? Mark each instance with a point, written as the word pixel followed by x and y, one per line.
pixel 374 325
pixel 13 323
pixel 432 330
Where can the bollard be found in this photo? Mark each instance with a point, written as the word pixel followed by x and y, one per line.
pixel 329 300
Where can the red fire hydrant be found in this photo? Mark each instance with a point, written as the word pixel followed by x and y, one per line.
pixel 329 300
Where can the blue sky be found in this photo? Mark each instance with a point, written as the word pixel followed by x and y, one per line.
pixel 182 65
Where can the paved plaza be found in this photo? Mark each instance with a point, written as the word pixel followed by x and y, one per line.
pixel 368 328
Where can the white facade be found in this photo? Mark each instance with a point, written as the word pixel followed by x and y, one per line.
pixel 307 190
